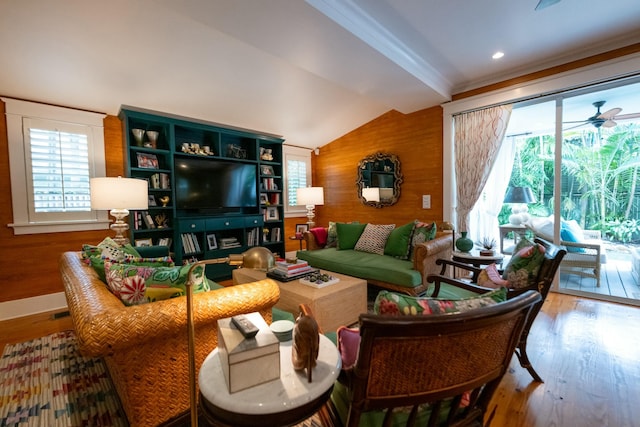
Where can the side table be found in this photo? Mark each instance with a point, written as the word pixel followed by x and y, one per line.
pixel 474 258
pixel 300 239
pixel 518 231
pixel 286 401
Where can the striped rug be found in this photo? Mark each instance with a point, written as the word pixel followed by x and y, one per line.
pixel 47 383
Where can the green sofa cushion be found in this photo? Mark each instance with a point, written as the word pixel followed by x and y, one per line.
pixel 348 234
pixel 364 265
pixel 399 241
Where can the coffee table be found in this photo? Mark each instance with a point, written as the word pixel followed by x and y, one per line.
pixel 335 305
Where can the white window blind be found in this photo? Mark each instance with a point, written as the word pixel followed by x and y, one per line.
pixel 297 174
pixel 59 170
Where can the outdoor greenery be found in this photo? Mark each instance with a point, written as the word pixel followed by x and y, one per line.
pixel 600 169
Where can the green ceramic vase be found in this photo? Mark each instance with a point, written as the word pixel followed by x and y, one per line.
pixel 464 244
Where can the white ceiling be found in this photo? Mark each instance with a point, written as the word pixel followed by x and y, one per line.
pixel 309 71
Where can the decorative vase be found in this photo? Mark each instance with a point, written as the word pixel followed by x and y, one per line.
pixel 464 244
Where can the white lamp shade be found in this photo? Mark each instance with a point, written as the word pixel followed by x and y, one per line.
pixel 119 193
pixel 371 194
pixel 310 196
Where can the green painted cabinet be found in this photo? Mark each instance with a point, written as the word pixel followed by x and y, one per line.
pixel 212 212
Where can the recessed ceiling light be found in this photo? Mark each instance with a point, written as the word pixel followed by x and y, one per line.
pixel 498 55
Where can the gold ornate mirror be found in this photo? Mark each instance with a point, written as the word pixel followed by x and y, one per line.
pixel 379 180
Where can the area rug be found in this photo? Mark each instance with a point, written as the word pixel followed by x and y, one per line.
pixel 46 382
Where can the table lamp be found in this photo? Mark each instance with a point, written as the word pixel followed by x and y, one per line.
pixel 519 197
pixel 119 195
pixel 310 197
pixel 257 258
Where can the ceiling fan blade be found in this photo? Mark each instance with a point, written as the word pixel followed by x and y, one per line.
pixel 546 3
pixel 609 124
pixel 609 113
pixel 627 116
pixel 573 127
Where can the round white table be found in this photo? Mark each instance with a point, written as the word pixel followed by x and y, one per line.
pixel 474 258
pixel 282 402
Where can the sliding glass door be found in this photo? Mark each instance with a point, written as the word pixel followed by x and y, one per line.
pixel 579 154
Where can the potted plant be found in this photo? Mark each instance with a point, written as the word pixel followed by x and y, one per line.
pixel 488 245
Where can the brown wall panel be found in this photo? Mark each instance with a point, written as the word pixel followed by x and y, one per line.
pixel 415 138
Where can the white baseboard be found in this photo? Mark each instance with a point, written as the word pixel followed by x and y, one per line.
pixel 33 305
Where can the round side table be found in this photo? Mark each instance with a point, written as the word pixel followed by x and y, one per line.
pixel 285 401
pixel 474 258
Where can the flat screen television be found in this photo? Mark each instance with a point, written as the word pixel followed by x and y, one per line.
pixel 214 185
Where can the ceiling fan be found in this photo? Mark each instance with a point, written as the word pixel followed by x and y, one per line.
pixel 606 119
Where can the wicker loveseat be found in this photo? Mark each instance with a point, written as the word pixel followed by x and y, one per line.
pixel 145 346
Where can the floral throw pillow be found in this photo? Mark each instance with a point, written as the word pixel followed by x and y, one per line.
pixel 490 278
pixel 395 304
pixel 136 285
pixel 524 266
pixel 423 232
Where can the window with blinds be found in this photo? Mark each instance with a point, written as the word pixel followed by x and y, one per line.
pixel 59 171
pixel 297 174
pixel 53 152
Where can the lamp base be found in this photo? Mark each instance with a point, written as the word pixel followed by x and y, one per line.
pixel 119 226
pixel 310 215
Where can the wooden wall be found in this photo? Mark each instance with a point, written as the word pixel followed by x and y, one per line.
pixel 29 263
pixel 415 138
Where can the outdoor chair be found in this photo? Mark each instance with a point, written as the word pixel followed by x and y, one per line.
pixel 553 256
pixel 437 369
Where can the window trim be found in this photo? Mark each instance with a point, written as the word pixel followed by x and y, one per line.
pixel 298 153
pixel 15 111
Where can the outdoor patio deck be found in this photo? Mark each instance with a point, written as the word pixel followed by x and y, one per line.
pixel 616 281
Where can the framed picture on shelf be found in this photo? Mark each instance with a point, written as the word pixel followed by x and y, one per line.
pixel 301 228
pixel 152 200
pixel 266 170
pixel 272 214
pixel 147 161
pixel 144 242
pixel 212 243
pixel 264 200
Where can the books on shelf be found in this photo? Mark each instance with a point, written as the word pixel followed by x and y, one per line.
pixel 190 243
pixel 275 234
pixel 229 242
pixel 253 237
pixel 159 181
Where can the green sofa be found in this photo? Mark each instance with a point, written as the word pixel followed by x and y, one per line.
pixel 385 271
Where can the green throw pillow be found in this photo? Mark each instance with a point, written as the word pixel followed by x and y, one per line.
pixel 399 241
pixel 348 234
pixel 97 262
pixel 136 285
pixel 395 304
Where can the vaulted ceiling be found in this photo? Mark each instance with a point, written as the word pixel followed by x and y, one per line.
pixel 307 70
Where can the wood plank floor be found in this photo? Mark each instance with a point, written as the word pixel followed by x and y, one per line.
pixel 586 350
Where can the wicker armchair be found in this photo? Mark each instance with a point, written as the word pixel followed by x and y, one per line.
pixel 453 362
pixel 542 284
pixel 145 346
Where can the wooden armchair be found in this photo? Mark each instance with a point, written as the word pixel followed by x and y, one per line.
pixel 440 367
pixel 552 259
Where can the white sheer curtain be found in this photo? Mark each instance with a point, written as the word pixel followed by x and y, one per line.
pixel 478 136
pixel 483 219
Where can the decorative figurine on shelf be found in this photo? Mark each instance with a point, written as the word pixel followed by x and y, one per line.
pixel 266 154
pixel 164 200
pixel 306 344
pixel 162 221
